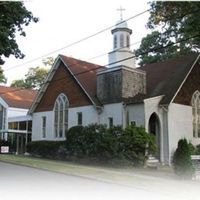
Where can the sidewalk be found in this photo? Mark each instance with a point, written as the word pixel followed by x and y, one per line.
pixel 161 180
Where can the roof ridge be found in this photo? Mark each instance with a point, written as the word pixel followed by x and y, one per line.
pixel 80 60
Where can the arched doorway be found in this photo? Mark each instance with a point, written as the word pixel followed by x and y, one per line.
pixel 154 128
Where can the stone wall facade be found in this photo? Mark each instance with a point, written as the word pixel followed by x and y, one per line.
pixel 134 82
pixel 115 84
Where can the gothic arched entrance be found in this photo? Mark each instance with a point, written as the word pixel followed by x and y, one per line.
pixel 154 128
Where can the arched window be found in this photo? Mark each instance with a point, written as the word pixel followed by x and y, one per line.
pixel 127 41
pixel 121 41
pixel 115 42
pixel 61 116
pixel 196 113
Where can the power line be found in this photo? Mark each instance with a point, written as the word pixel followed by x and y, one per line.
pixel 88 37
pixel 103 30
pixel 131 57
pixel 103 54
pixel 100 67
pixel 78 41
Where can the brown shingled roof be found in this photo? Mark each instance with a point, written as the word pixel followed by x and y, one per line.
pixel 16 97
pixel 86 74
pixel 164 78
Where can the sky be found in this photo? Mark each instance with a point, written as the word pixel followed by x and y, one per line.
pixel 63 22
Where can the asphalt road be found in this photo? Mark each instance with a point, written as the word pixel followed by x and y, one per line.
pixel 24 183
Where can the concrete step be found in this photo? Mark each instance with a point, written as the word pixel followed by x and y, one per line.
pixel 152 162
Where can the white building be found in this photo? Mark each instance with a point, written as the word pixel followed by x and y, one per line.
pixel 15 124
pixel 162 97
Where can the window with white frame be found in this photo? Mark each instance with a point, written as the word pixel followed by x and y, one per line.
pixel 196 113
pixel 61 116
pixel 43 127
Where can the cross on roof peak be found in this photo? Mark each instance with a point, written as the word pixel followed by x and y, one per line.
pixel 121 12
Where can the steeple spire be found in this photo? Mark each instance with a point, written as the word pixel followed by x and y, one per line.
pixel 121 44
pixel 120 9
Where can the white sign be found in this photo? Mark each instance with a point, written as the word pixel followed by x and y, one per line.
pixel 195 157
pixel 196 164
pixel 4 149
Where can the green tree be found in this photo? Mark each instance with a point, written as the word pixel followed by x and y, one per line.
pixel 48 61
pixel 152 49
pixel 35 76
pixel 19 83
pixel 176 21
pixel 3 79
pixel 182 160
pixel 13 17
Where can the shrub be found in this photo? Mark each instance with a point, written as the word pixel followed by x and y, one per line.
pixel 4 143
pixel 92 141
pixel 75 141
pixel 45 149
pixel 101 142
pixel 135 144
pixel 98 143
pixel 182 160
pixel 197 150
pixel 192 149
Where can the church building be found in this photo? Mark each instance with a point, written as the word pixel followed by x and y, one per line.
pixel 162 97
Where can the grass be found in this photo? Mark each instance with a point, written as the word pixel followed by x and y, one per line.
pixel 92 172
pixel 149 180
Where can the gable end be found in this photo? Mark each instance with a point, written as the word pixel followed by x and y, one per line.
pixel 191 84
pixel 61 82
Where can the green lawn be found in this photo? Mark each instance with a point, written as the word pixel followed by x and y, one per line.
pixel 98 173
pixel 144 179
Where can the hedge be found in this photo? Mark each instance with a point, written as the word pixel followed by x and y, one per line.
pixel 45 149
pixel 102 144
pixel 4 143
pixel 98 143
pixel 93 141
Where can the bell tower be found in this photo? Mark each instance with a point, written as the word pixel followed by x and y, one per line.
pixel 121 80
pixel 121 53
